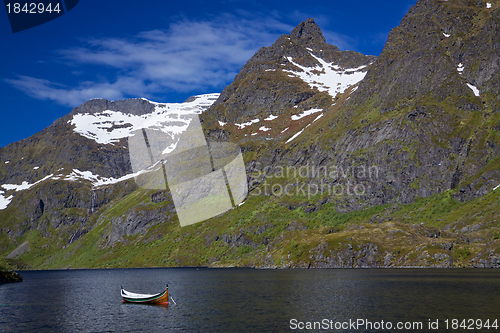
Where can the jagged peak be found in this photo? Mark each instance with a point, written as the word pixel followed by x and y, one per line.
pixel 308 31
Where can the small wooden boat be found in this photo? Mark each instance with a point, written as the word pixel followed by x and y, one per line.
pixel 160 298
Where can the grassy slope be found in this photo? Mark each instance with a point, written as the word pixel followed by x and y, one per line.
pixel 288 236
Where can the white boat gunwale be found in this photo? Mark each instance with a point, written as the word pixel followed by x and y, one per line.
pixel 138 298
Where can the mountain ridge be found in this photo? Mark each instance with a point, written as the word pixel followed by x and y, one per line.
pixel 255 84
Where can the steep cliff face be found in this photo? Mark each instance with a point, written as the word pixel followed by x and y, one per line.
pixel 440 50
pixel 428 109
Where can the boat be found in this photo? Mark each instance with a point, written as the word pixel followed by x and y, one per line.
pixel 160 298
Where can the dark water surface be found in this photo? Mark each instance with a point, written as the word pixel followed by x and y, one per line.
pixel 247 300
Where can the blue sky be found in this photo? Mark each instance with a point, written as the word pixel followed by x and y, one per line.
pixel 165 51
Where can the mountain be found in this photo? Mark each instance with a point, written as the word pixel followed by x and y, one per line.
pixel 440 94
pixel 280 77
pixel 58 177
pixel 424 113
pixel 351 160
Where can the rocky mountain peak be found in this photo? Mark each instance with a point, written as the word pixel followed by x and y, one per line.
pixel 269 83
pixel 307 31
pixel 136 106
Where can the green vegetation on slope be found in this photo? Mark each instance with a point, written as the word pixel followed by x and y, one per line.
pixel 269 231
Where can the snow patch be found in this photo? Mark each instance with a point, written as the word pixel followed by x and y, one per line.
pixel 306 113
pixel 488 5
pixel 286 129
pixel 254 134
pixel 474 89
pixel 4 201
pixel 222 123
pixel 328 76
pixel 242 126
pixel 264 129
pixel 108 127
pixel 496 187
pixel 446 35
pixel 36 168
pixel 96 180
pixel 296 135
pixel 460 68
pixel 7 162
pixel 321 115
pixel 25 185
pixel 271 118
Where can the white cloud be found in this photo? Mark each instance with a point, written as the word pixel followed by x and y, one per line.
pixel 189 56
pixel 46 90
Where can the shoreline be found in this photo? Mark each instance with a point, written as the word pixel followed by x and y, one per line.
pixel 260 268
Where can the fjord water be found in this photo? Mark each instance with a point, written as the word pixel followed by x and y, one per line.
pixel 244 300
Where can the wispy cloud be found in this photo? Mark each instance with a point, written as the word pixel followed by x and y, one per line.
pixel 186 57
pixel 47 90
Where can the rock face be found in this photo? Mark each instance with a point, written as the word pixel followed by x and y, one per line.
pixel 137 107
pixel 384 245
pixel 364 256
pixel 438 48
pixel 416 104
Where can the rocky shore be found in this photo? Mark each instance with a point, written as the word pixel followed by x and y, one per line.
pixel 9 276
